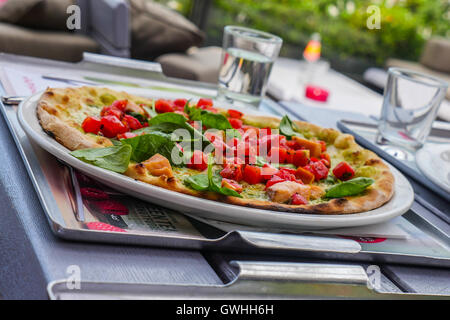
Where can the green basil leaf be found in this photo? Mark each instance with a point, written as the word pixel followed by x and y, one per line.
pixel 114 158
pixel 215 181
pixel 171 117
pixel 147 145
pixel 199 182
pixel 215 121
pixel 349 188
pixel 193 112
pixel 287 127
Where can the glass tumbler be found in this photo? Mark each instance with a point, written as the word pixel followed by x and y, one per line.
pixel 247 60
pixel 410 105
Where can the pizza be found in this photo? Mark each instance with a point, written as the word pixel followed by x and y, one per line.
pixel 199 149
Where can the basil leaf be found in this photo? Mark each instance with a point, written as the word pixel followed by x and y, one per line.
pixel 199 182
pixel 147 145
pixel 287 127
pixel 193 112
pixel 168 117
pixel 215 121
pixel 114 158
pixel 349 188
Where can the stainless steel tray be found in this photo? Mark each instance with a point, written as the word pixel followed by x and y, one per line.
pixel 60 205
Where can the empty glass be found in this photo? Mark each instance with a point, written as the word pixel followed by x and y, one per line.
pixel 411 102
pixel 247 60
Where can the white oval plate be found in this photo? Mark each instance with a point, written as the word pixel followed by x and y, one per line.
pixel 434 162
pixel 399 204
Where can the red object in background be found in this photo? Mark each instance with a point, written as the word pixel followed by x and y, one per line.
pixel 316 93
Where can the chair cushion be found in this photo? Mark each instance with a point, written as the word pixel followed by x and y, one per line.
pixel 13 10
pixel 45 44
pixel 197 64
pixel 436 54
pixel 39 14
pixel 156 30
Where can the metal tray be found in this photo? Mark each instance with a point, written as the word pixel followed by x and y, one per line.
pixel 59 199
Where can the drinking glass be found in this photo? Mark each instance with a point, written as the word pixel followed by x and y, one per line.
pixel 410 105
pixel 247 60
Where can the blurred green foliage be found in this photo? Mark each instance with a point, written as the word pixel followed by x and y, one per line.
pixel 342 24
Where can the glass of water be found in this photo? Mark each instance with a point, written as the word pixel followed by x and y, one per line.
pixel 247 59
pixel 410 105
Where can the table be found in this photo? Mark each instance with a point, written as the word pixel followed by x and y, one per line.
pixel 31 256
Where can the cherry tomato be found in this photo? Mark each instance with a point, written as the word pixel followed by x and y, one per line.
pixel 120 104
pixel 91 125
pixel 163 106
pixel 126 135
pixel 235 114
pixel 232 171
pixel 298 199
pixel 274 180
pixel 132 122
pixel 111 126
pixel 300 158
pixel 182 113
pixel 203 102
pixel 319 170
pixel 111 111
pixel 343 171
pixel 198 161
pixel 233 142
pixel 277 155
pixel 180 103
pixel 267 171
pixel 235 123
pixel 252 174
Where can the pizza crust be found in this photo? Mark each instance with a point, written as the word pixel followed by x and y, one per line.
pixel 56 103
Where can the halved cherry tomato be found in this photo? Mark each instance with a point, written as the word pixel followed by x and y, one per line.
pixel 111 111
pixel 120 104
pixel 343 171
pixel 298 199
pixel 232 171
pixel 198 161
pixel 274 180
pixel 319 170
pixel 91 125
pixel 180 103
pixel 126 135
pixel 252 174
pixel 132 122
pixel 267 171
pixel 163 106
pixel 111 126
pixel 290 155
pixel 277 155
pixel 231 184
pixel 300 158
pixel 203 102
pixel 235 123
pixel 235 114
